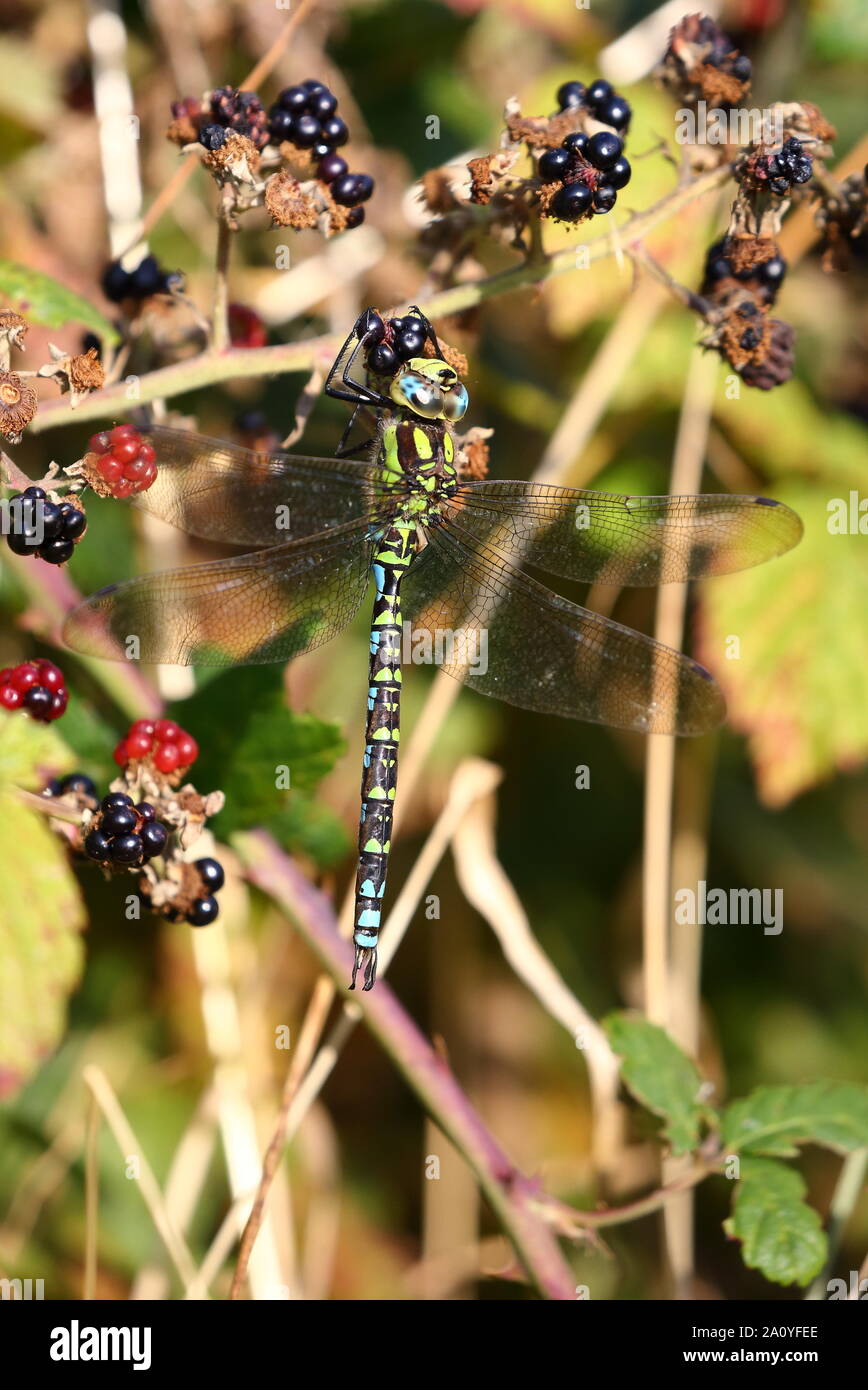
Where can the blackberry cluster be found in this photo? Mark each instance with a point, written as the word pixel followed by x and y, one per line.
pixel 206 908
pixel 125 834
pixel 76 782
pixel 125 462
pixel 228 109
pixel 168 747
pixel 50 530
pixel 787 166
pixel 148 278
pixel 36 686
pixel 591 168
pixel 766 276
pixel 389 342
pixel 306 116
pixel 600 99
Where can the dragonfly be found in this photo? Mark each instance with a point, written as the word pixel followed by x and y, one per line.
pixel 448 550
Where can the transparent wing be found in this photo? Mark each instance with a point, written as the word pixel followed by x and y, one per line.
pixel 505 635
pixel 268 606
pixel 223 492
pixel 603 537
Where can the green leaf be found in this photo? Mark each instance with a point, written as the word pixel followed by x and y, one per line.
pixel 775 1119
pixel 42 300
pixel 251 745
pixel 781 1235
pixel 659 1075
pixel 41 914
pixel 797 684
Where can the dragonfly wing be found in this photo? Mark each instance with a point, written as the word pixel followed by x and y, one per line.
pixel 606 538
pixel 505 635
pixel 268 606
pixel 223 492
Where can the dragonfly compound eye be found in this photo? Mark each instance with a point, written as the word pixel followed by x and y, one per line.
pixel 455 402
pixel 419 395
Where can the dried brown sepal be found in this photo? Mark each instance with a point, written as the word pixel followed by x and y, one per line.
pixel 473 453
pixel 183 130
pixel 686 69
pixel 746 252
pixel 13 328
pixel 172 893
pixel 545 132
pixel 87 468
pixel 481 182
pixel 815 123
pixel 436 192
pixel 288 203
pixel 18 404
pixel 237 159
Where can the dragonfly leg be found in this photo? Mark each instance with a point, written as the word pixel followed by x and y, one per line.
pixel 429 328
pixel 356 393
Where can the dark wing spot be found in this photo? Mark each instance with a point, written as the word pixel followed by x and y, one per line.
pixel 766 502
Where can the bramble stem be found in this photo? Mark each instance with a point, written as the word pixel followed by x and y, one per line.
pixel 516 1200
pixel 211 367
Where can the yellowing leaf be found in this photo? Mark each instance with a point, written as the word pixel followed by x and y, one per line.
pixel 41 915
pixel 789 644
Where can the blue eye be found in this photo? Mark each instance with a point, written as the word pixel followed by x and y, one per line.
pixel 422 397
pixel 455 403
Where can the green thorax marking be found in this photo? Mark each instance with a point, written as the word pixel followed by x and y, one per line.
pixel 417 462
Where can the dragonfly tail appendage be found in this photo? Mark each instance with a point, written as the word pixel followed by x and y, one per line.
pixel 382 736
pixel 366 961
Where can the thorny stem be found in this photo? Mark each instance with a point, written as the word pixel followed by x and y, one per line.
pixel 211 367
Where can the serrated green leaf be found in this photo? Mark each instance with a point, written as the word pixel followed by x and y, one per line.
pixel 798 685
pixel 780 1234
pixel 29 752
pixel 658 1073
pixel 773 1120
pixel 41 914
pixel 250 743
pixel 43 300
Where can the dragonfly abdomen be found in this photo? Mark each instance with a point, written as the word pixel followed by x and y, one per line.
pixel 382 737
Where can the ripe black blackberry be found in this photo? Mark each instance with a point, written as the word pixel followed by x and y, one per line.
pixel 124 833
pixel 591 169
pixel 146 279
pixel 305 115
pixel 46 529
pixel 205 908
pixel 600 99
pixel 788 166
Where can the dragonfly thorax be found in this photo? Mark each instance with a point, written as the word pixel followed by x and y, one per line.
pixel 418 462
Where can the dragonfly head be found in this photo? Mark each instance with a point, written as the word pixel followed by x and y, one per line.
pixel 430 388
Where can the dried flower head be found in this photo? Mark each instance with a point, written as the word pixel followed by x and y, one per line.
pixel 18 402
pixel 13 328
pixel 79 374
